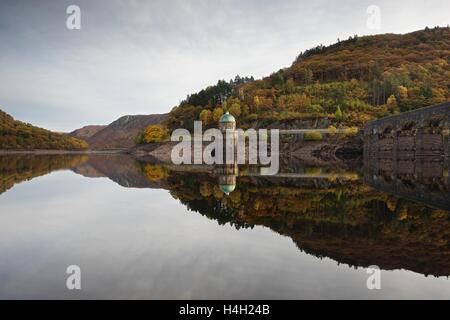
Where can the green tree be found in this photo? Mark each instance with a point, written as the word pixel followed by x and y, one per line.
pixel 339 115
pixel 278 79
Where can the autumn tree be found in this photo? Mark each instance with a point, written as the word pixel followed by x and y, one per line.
pixel 290 85
pixel 235 109
pixel 206 116
pixel 402 92
pixel 155 133
pixel 206 190
pixel 308 76
pixel 392 104
pixel 217 114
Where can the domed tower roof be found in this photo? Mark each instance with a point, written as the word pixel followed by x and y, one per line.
pixel 227 188
pixel 226 118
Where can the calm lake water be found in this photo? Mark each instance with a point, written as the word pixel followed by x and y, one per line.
pixel 140 230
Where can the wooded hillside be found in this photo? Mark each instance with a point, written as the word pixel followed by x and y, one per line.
pixel 349 83
pixel 18 135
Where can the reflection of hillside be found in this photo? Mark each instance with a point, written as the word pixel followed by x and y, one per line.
pixel 341 219
pixel 424 180
pixel 18 168
pixel 120 168
pixel 393 246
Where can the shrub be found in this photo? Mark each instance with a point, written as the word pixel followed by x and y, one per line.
pixel 314 109
pixel 313 136
pixel 351 131
pixel 155 133
pixel 332 130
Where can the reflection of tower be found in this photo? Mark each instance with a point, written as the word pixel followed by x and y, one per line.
pixel 227 177
pixel 446 171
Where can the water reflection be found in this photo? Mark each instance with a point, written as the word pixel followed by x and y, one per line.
pixel 17 168
pixel 394 215
pixel 424 180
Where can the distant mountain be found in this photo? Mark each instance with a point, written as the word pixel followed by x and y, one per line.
pixel 121 134
pixel 17 135
pixel 86 132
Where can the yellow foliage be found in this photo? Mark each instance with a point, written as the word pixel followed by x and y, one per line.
pixel 206 189
pixel 155 172
pixel 218 194
pixel 403 214
pixel 313 136
pixel 403 92
pixel 391 204
pixel 392 103
pixel 257 101
pixel 235 197
pixel 332 177
pixel 217 114
pixel 206 116
pixel 155 133
pixel 439 214
pixel 332 130
pixel 351 131
pixel 235 109
pixel 313 171
pixel 351 176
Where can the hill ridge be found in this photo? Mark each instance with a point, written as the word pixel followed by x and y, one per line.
pixel 18 135
pixel 348 83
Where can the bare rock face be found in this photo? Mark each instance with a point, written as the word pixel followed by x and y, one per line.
pixel 121 134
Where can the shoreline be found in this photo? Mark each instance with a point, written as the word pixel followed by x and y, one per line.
pixel 57 152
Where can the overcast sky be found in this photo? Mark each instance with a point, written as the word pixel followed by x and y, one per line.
pixel 143 57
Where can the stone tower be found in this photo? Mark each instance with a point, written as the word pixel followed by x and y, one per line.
pixel 227 122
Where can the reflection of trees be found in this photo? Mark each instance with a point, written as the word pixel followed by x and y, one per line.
pixel 342 219
pixel 155 172
pixel 203 196
pixel 18 168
